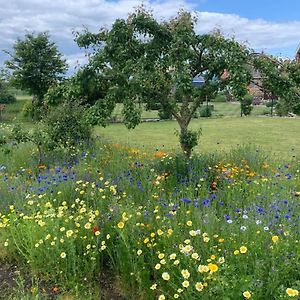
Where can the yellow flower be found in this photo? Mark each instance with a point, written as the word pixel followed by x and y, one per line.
pixel 161 297
pixel 221 260
pixel 206 239
pixel 121 225
pixel 176 296
pixel 195 255
pixel 161 255
pixel 292 292
pixel 185 273
pixel 157 266
pixel 203 269
pixel 193 233
pixel 160 232
pixel 213 267
pixel 189 223
pixel 185 284
pixel 199 286
pixel 69 233
pixel 243 249
pixel 172 256
pixel 236 252
pixel 176 262
pixel 165 276
pixel 153 286
pixel 139 252
pixel 87 226
pixel 275 238
pixel 247 294
pixel 63 255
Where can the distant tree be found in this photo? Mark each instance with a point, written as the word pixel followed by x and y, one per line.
pixel 147 61
pixel 281 79
pixel 36 64
pixel 5 96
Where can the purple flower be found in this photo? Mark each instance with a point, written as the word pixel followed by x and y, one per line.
pixel 186 200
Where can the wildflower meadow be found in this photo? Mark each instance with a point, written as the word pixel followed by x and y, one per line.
pixel 115 222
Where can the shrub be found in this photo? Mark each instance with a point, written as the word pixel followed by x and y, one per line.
pixel 164 114
pixel 34 112
pixel 246 105
pixel 269 103
pixel 281 109
pixel 67 126
pixel 205 111
pixel 220 98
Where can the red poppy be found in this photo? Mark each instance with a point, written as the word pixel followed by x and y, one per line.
pixel 95 229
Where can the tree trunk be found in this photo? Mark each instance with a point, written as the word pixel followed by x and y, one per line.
pixel 184 146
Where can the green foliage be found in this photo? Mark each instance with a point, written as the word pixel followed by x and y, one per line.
pixel 5 96
pixel 66 126
pixel 36 64
pixel 146 61
pixel 188 140
pixel 34 112
pixel 164 114
pixel 85 86
pixel 271 103
pixel 220 223
pixel 281 79
pixel 246 105
pixel 205 111
pixel 220 98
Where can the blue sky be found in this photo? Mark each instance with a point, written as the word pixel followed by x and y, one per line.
pixel 270 10
pixel 276 11
pixel 265 25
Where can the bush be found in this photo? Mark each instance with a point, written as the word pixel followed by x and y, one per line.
pixel 67 126
pixel 6 98
pixel 164 114
pixel 34 112
pixel 220 98
pixel 281 109
pixel 205 111
pixel 246 105
pixel 269 103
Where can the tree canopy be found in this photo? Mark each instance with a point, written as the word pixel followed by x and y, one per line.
pixel 36 64
pixel 280 78
pixel 148 61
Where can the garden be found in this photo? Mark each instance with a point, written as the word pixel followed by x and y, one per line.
pixel 95 212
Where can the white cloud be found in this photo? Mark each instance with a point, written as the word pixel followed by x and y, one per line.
pixel 60 18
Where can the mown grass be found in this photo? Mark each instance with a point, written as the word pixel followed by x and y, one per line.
pixel 277 136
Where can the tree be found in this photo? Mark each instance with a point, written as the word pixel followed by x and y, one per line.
pixel 86 86
pixel 281 79
pixel 146 61
pixel 5 96
pixel 36 64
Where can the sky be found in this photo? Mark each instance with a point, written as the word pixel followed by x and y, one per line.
pixel 272 26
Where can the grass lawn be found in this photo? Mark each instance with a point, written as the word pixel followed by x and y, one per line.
pixel 275 135
pixel 228 109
